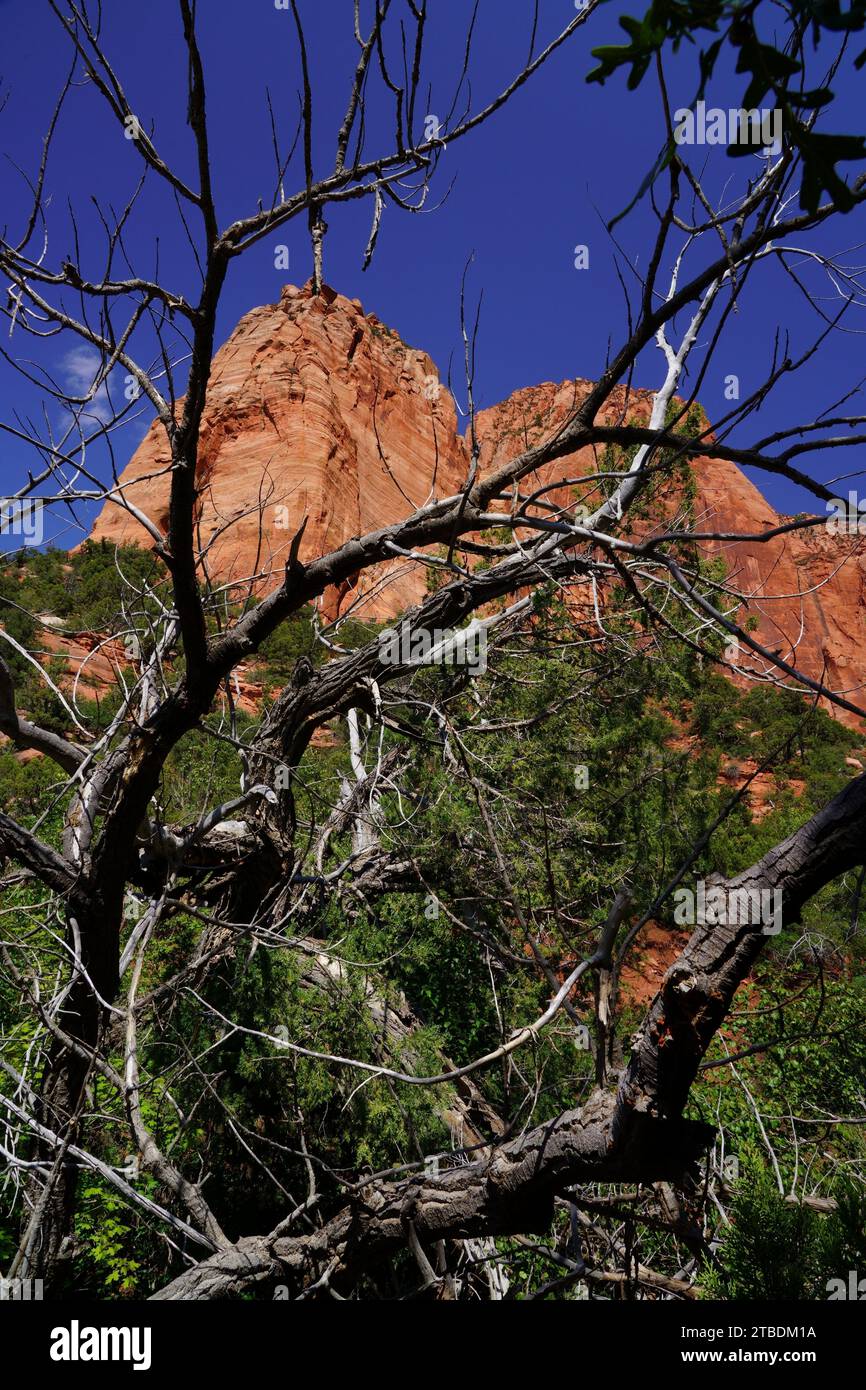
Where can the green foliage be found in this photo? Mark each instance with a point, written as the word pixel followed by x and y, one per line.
pixel 291 640
pixel 103 1232
pixel 90 586
pixel 98 588
pixel 267 1090
pixel 778 1251
pixel 774 69
pixel 658 730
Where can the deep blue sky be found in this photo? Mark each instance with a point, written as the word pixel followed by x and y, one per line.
pixel 540 178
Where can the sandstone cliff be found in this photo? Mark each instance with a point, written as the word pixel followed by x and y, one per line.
pixel 316 409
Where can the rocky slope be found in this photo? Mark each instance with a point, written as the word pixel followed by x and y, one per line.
pixel 316 409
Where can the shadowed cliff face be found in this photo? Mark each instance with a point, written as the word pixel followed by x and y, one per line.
pixel 316 409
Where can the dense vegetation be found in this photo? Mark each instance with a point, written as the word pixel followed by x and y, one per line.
pixel 520 857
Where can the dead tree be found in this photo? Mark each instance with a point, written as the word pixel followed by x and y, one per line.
pixel 629 1129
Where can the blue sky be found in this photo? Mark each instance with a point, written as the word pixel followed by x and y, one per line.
pixel 541 178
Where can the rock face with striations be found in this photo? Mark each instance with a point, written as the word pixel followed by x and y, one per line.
pixel 317 410
pixel 314 410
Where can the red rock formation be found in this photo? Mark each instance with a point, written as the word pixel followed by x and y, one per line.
pixel 91 664
pixel 316 409
pixel 806 589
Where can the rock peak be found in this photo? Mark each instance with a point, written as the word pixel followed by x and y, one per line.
pixel 318 410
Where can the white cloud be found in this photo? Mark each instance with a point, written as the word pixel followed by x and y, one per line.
pixel 79 367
